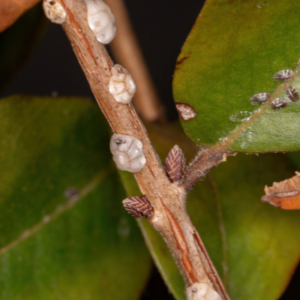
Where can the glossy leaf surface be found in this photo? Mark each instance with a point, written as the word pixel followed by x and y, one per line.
pixel 64 232
pixel 254 246
pixel 231 54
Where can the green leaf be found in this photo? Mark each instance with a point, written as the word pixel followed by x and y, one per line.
pixel 231 54
pixel 295 159
pixel 19 41
pixel 64 232
pixel 254 246
pixel 260 244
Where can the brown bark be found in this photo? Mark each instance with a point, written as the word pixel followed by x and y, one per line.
pixel 168 199
pixel 205 160
pixel 127 52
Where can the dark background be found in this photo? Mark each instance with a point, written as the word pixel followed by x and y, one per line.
pixel 161 28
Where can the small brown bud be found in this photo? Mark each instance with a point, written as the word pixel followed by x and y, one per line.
pixel 175 164
pixel 139 207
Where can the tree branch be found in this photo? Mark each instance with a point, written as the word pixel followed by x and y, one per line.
pixel 168 199
pixel 205 160
pixel 127 52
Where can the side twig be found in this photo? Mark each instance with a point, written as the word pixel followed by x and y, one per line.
pixel 165 202
pixel 205 160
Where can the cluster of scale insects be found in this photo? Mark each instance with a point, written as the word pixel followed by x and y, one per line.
pixel 290 91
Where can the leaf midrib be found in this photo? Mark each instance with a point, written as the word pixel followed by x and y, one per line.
pixel 240 130
pixel 88 188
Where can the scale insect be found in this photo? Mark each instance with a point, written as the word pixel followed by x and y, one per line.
pixel 279 103
pixel 283 75
pixel 101 20
pixel 201 291
pixel 185 111
pixel 260 98
pixel 127 152
pixel 292 93
pixel 54 11
pixel 121 84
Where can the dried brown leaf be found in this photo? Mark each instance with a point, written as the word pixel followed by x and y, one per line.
pixel 11 10
pixel 175 164
pixel 284 194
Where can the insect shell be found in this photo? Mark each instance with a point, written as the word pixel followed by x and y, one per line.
pixel 260 98
pixel 101 20
pixel 279 103
pixel 292 93
pixel 54 11
pixel 283 75
pixel 127 152
pixel 185 111
pixel 121 84
pixel 72 193
pixel 201 291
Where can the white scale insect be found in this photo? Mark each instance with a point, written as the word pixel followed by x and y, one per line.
pixel 201 291
pixel 54 11
pixel 127 152
pixel 121 84
pixel 101 20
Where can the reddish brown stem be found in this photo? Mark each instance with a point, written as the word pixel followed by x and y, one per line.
pixel 168 199
pixel 127 52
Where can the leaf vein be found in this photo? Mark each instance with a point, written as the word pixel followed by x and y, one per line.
pixel 59 210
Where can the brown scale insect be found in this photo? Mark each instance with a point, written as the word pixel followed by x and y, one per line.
pixel 279 103
pixel 185 111
pixel 283 75
pixel 138 207
pixel 72 193
pixel 260 98
pixel 292 93
pixel 175 164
